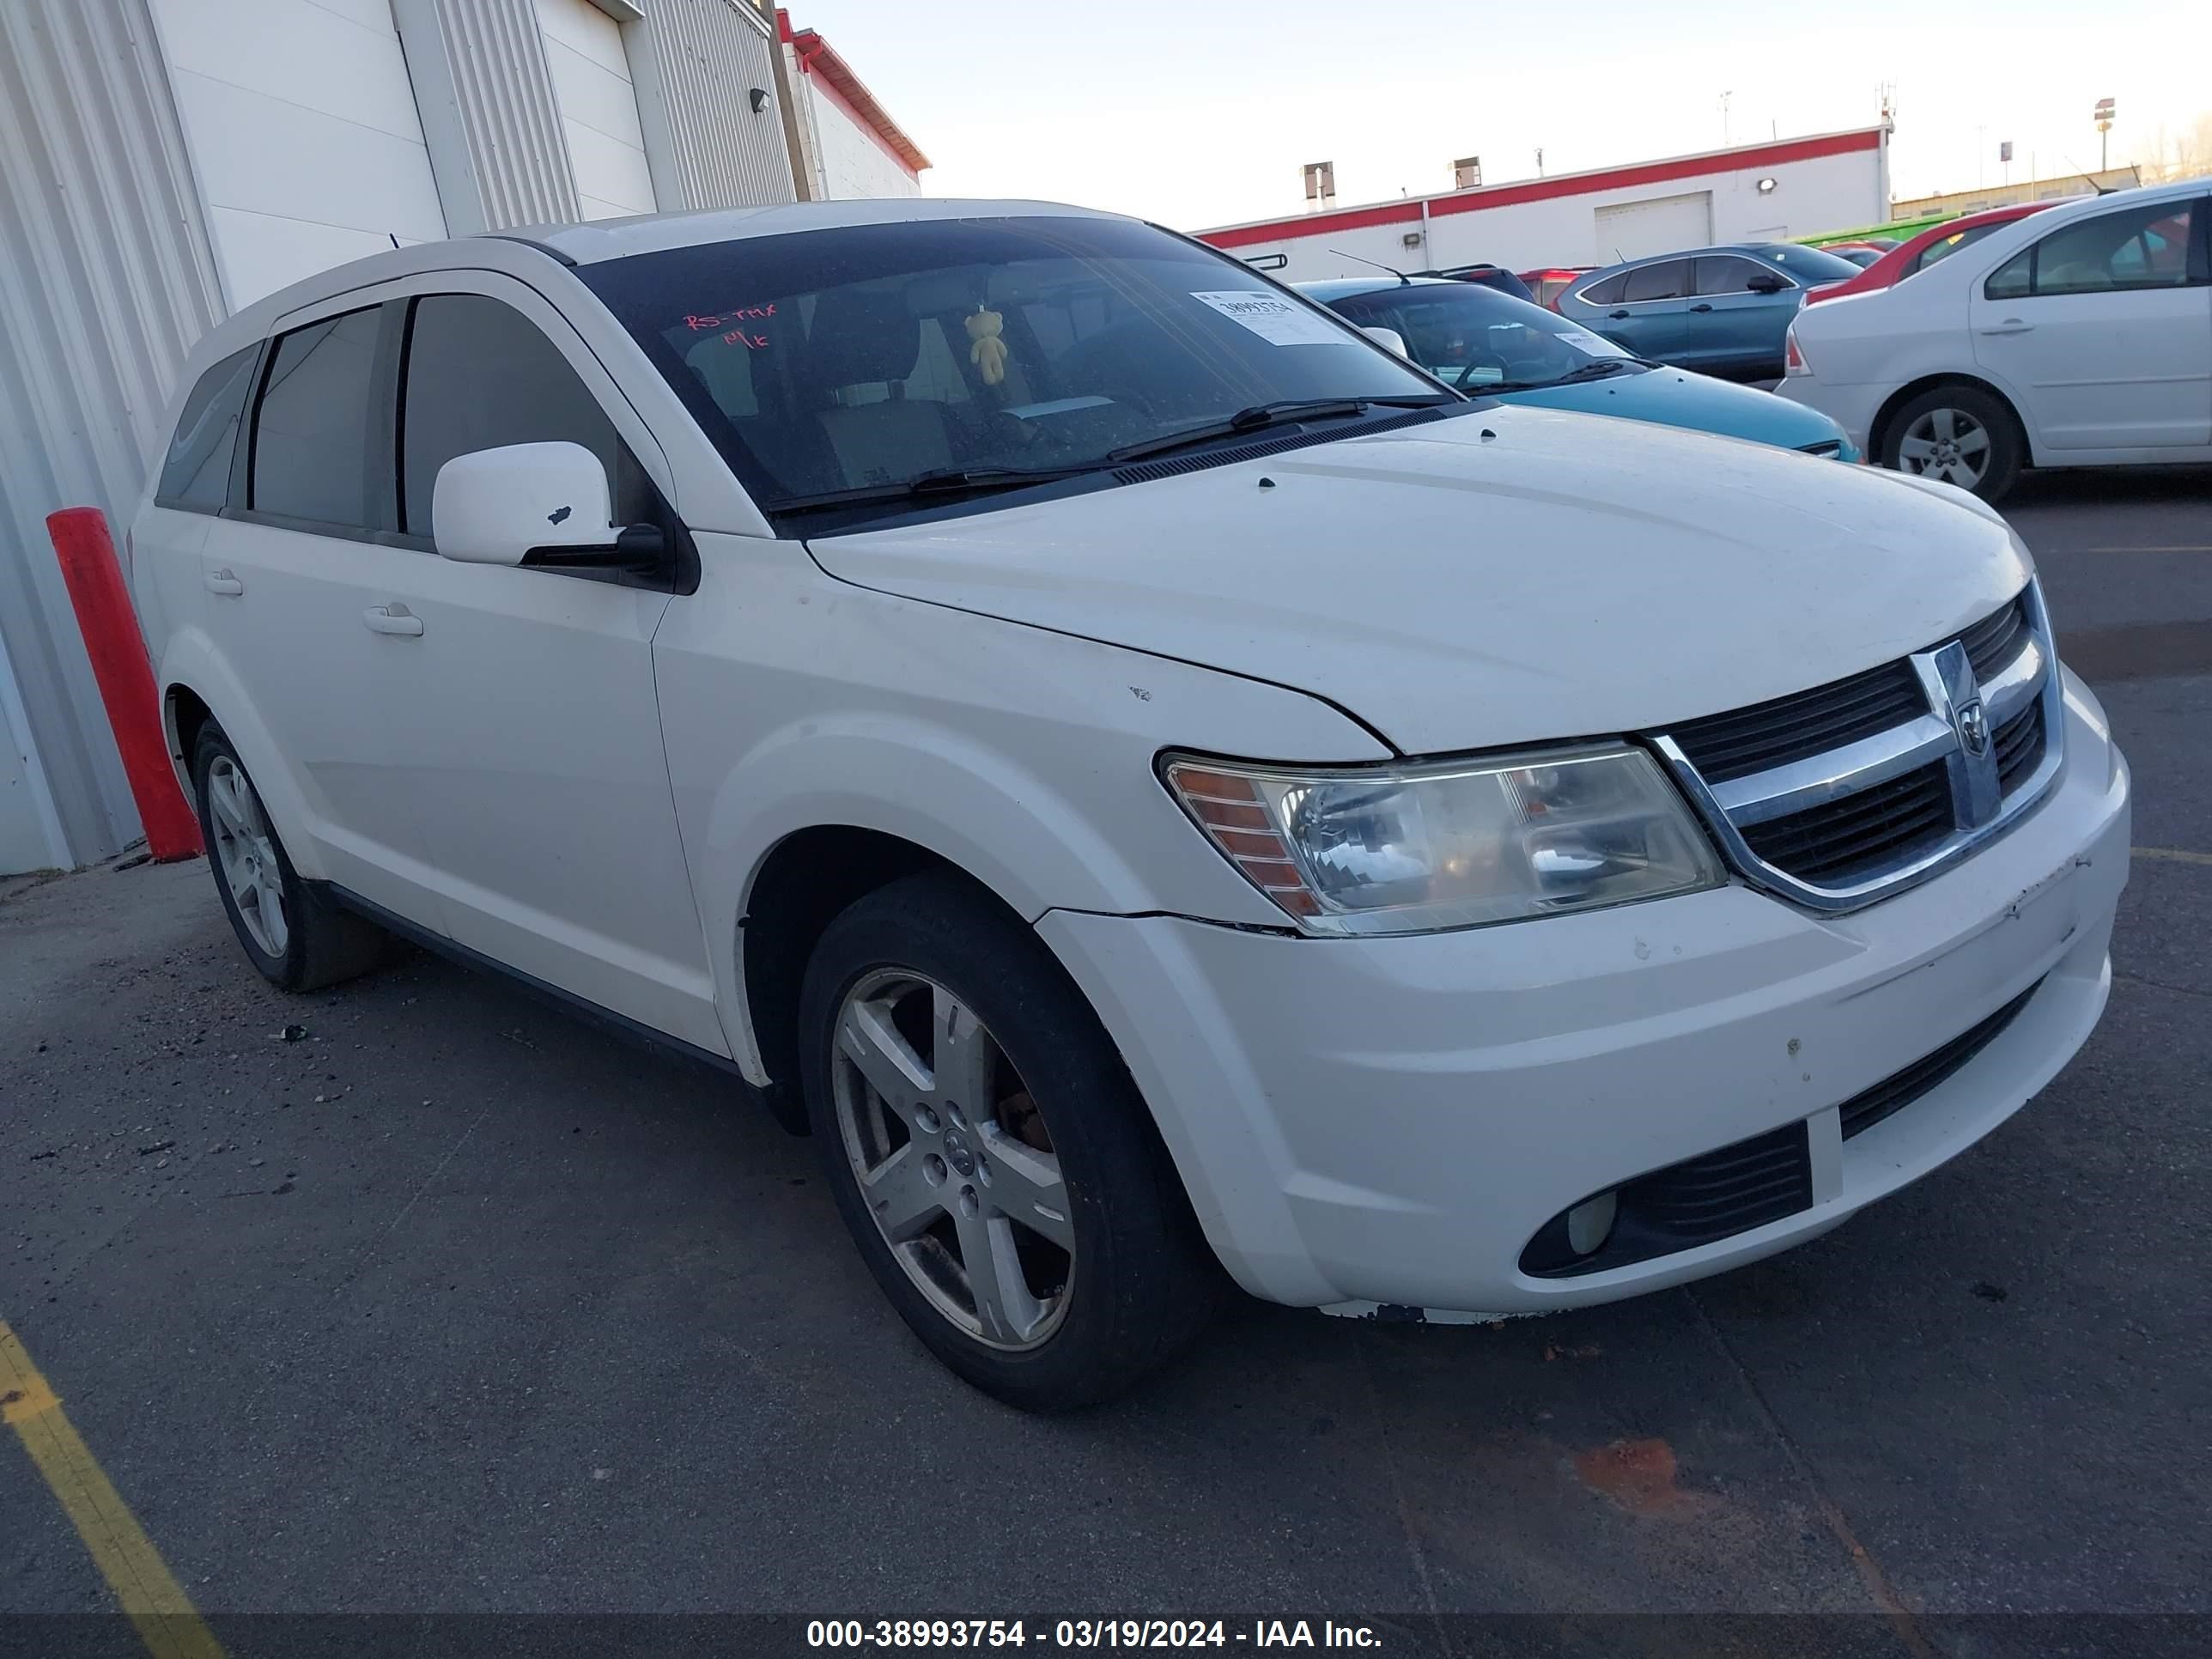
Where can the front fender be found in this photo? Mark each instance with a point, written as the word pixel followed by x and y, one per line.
pixel 791 700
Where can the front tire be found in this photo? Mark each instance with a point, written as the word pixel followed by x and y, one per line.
pixel 990 1155
pixel 1960 435
pixel 299 940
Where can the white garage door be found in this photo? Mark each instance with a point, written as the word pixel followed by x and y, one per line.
pixel 1663 224
pixel 598 108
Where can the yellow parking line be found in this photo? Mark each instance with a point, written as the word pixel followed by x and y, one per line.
pixel 2173 855
pixel 126 1557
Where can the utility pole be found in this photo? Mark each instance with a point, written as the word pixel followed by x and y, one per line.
pixel 1540 160
pixel 1725 119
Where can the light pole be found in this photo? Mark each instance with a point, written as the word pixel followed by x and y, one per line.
pixel 1725 119
pixel 2105 111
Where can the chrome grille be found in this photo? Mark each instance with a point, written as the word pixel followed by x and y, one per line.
pixel 1837 796
pixel 1996 639
pixel 1735 745
pixel 1861 831
pixel 2019 743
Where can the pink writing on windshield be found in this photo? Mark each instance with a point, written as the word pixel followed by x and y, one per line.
pixel 702 324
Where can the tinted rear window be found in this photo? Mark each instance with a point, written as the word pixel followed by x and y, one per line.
pixel 197 471
pixel 1668 280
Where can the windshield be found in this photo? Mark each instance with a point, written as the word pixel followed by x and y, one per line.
pixel 868 357
pixel 1481 340
pixel 1809 265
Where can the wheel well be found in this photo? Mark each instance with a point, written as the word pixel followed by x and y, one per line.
pixel 805 881
pixel 1878 431
pixel 187 715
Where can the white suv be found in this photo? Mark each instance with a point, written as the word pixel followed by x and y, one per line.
pixel 1147 777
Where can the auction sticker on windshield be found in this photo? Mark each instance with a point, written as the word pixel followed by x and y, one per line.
pixel 1596 344
pixel 1276 321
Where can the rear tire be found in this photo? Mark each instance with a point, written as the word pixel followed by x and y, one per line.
pixel 970 1108
pixel 299 939
pixel 1962 435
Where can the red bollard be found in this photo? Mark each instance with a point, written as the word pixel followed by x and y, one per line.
pixel 118 651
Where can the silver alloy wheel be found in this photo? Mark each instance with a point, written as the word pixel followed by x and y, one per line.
pixel 952 1159
pixel 1947 444
pixel 247 856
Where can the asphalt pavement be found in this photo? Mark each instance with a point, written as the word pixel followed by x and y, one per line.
pixel 417 1296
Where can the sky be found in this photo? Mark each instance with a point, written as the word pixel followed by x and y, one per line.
pixel 1201 113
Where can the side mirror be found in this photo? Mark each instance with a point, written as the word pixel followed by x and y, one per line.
pixel 1767 281
pixel 1389 337
pixel 499 506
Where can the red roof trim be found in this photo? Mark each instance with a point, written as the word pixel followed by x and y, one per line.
pixel 818 60
pixel 1544 190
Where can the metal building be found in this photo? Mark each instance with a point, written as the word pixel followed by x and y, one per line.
pixel 848 146
pixel 163 162
pixel 1752 192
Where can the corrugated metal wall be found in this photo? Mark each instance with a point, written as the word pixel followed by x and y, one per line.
pixel 489 112
pixel 695 63
pixel 106 283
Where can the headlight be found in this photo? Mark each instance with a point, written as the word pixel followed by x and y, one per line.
pixel 1450 844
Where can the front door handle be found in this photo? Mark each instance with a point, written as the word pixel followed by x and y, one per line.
pixel 2010 325
pixel 1701 307
pixel 221 582
pixel 392 619
pixel 1617 315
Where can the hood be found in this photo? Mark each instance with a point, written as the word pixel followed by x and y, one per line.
pixel 1675 396
pixel 1502 576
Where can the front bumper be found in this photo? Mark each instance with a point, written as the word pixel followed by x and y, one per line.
pixel 1388 1123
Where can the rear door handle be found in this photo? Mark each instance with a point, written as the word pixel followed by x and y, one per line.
pixel 1617 315
pixel 392 619
pixel 1701 307
pixel 221 582
pixel 2010 325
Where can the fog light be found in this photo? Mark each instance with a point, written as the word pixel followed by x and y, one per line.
pixel 1589 1223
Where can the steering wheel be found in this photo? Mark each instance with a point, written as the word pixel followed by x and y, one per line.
pixel 1482 360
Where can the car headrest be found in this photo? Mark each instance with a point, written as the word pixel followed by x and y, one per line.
pixel 859 336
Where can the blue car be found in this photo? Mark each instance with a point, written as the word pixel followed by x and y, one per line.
pixel 1721 311
pixel 1484 342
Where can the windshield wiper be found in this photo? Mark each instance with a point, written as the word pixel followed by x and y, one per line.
pixel 1260 415
pixel 946 481
pixel 1593 371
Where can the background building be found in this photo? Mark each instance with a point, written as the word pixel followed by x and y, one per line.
pixel 1752 192
pixel 165 162
pixel 848 146
pixel 1950 206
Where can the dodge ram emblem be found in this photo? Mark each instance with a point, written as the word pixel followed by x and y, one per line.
pixel 1973 727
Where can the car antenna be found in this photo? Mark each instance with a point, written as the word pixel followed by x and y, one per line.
pixel 1404 280
pixel 2101 190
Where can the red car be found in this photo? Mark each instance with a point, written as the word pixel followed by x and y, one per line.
pixel 1547 282
pixel 1925 249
